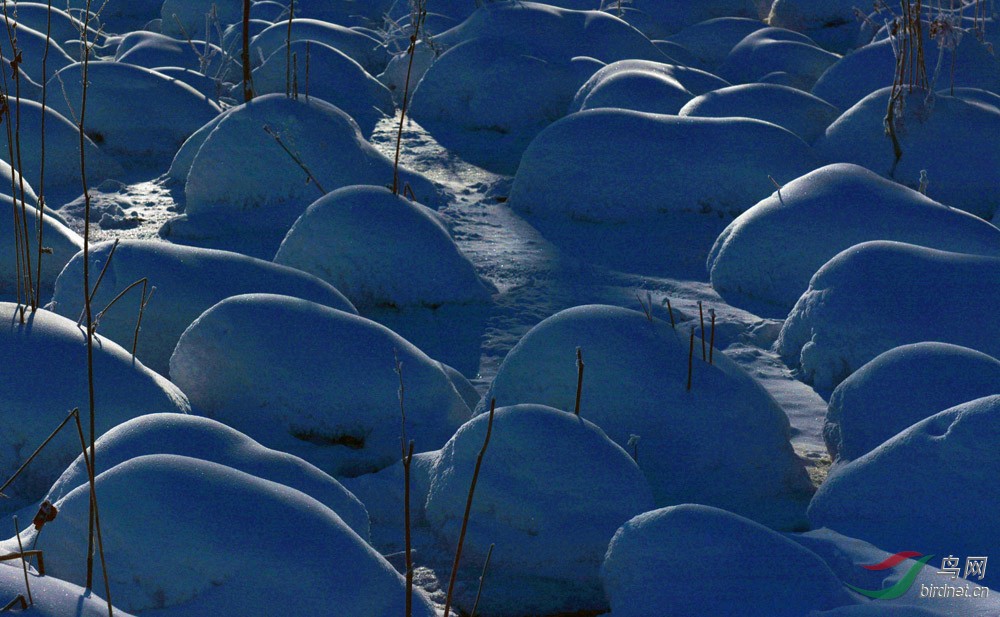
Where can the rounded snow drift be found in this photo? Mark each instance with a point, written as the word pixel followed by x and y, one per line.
pixel 723 443
pixel 698 560
pixel 188 282
pixel 879 295
pixel 551 491
pixel 314 381
pixel 902 387
pixel 381 249
pixel 754 266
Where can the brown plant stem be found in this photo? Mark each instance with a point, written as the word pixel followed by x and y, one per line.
pixel 579 379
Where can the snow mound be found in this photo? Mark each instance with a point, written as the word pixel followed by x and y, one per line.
pixel 118 16
pixel 771 50
pixel 153 50
pixel 208 440
pixel 64 242
pixel 551 492
pixel 314 381
pixel 876 296
pixel 35 15
pixel 210 87
pixel 902 387
pixel 644 85
pixel 394 75
pixel 711 41
pixel 133 113
pixel 895 495
pixel 697 560
pixel 381 249
pixel 180 540
pixel 52 597
pixel 364 49
pixel 657 19
pixel 723 443
pixel 241 182
pixel 827 211
pixel 188 282
pixel 872 67
pixel 55 348
pixel 62 151
pixel 333 77
pixel 577 166
pixel 31 44
pixel 963 182
pixel 186 18
pixel 11 184
pixel 801 113
pixel 835 24
pixel 509 71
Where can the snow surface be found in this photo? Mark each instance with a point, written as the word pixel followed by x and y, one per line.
pixel 698 560
pixel 833 23
pixel 53 348
pixel 188 282
pixel 902 387
pixel 644 85
pixel 879 295
pixel 153 50
pixel 181 541
pixel 208 440
pixel 314 381
pixel 51 597
pixel 801 113
pixel 753 265
pixel 609 165
pixel 931 488
pixel 657 19
pixel 551 491
pixel 722 443
pixel 241 179
pixel 711 41
pixel 381 249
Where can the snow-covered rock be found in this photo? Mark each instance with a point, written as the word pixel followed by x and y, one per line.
pixel 902 387
pixel 188 282
pixel 133 113
pixel 711 41
pixel 509 71
pixel 801 113
pixel 578 165
pixel 31 45
pixel 931 488
pixel 771 50
pixel 698 560
pixel 243 190
pixel 367 51
pixel 314 381
pixel 381 249
pixel 879 295
pixel 64 242
pixel 45 376
pixel 62 151
pixel 827 211
pixel 948 138
pixel 723 443
pixel 872 67
pixel 185 537
pixel 208 440
pixel 35 15
pixel 551 491
pixel 332 76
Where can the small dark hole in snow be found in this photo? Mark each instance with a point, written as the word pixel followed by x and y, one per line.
pixel 350 441
pixel 96 137
pixel 501 200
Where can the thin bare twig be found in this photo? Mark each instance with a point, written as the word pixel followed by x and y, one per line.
pixel 24 564
pixel 482 579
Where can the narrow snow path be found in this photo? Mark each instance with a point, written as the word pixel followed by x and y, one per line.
pixel 535 277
